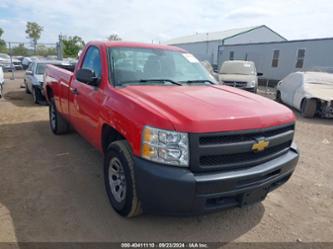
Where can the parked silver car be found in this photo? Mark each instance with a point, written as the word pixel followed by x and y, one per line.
pixel 9 64
pixel 34 79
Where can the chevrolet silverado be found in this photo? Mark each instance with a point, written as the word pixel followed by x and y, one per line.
pixel 173 140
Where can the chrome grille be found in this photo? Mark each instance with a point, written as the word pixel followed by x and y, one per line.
pixel 233 150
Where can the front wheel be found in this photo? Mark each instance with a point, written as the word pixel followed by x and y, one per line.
pixel 1 90
pixel 119 179
pixel 26 88
pixel 308 108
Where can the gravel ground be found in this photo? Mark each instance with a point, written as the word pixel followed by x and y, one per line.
pixel 51 189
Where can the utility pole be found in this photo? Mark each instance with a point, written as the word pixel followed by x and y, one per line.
pixel 60 48
pixel 11 61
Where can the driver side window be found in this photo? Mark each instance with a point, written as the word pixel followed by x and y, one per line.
pixel 92 61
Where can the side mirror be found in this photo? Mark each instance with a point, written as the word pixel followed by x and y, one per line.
pixel 87 76
pixel 260 74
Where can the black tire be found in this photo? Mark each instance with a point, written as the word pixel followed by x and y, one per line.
pixel 1 90
pixel 58 124
pixel 278 97
pixel 35 95
pixel 308 108
pixel 26 88
pixel 127 204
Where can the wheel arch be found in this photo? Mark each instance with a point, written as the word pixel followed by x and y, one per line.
pixel 108 135
pixel 309 98
pixel 49 93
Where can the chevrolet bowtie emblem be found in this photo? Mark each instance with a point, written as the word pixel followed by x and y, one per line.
pixel 261 145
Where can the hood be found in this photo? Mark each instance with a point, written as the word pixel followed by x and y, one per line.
pixel 210 108
pixel 237 77
pixel 39 77
pixel 15 60
pixel 319 85
pixel 321 91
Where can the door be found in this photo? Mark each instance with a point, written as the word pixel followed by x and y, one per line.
pixel 85 100
pixel 289 86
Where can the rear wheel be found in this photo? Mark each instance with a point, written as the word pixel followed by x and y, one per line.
pixel 308 108
pixel 119 179
pixel 58 124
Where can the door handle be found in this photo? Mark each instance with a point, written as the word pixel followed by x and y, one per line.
pixel 74 91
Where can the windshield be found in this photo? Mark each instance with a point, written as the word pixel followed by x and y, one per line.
pixel 244 68
pixel 40 68
pixel 130 66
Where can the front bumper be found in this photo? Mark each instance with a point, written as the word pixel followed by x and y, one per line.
pixel 250 89
pixel 178 191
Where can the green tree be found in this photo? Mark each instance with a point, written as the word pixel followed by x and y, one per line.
pixel 42 50
pixel 72 45
pixel 114 37
pixel 34 30
pixel 20 50
pixel 3 47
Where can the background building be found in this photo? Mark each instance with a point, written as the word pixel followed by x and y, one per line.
pixel 277 59
pixel 209 46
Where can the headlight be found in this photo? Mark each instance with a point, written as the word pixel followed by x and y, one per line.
pixel 253 83
pixel 165 146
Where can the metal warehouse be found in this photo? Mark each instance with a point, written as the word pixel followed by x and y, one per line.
pixel 277 59
pixel 206 46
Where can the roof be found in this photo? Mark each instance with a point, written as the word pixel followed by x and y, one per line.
pixel 280 42
pixel 134 45
pixel 213 36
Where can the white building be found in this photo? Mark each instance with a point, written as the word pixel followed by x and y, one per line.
pixel 277 59
pixel 209 46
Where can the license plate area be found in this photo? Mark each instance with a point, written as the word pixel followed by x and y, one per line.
pixel 254 196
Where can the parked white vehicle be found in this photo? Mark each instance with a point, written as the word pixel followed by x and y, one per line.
pixel 209 68
pixel 309 92
pixel 2 81
pixel 9 64
pixel 240 74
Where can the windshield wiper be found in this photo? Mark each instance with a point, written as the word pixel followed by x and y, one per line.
pixel 198 81
pixel 151 80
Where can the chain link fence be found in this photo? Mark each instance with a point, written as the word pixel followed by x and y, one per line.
pixel 18 55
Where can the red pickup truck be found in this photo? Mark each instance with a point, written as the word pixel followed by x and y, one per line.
pixel 173 140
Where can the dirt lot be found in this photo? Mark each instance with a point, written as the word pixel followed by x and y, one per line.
pixel 51 189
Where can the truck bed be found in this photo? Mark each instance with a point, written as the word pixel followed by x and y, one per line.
pixel 66 67
pixel 62 73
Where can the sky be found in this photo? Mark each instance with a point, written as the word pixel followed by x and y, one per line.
pixel 158 21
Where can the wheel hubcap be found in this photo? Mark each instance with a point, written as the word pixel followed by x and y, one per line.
pixel 53 117
pixel 117 179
